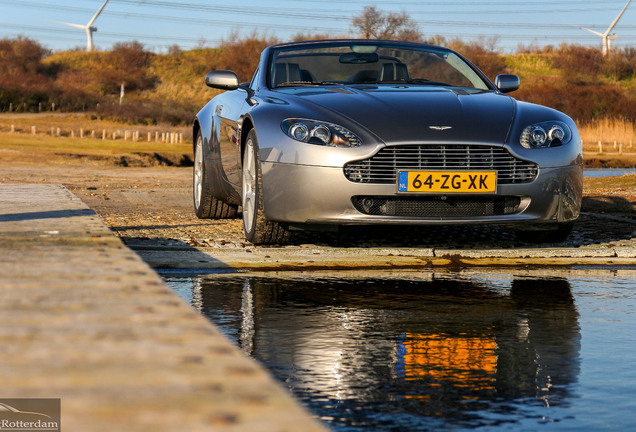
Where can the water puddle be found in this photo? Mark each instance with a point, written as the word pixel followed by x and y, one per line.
pixel 427 351
pixel 608 172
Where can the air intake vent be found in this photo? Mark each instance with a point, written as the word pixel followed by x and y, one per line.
pixel 437 206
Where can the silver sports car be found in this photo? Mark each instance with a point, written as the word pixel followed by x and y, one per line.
pixel 381 132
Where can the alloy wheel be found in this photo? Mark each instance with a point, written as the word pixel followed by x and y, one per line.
pixel 198 172
pixel 249 186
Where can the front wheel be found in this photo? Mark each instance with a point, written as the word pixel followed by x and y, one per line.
pixel 558 235
pixel 258 229
pixel 205 205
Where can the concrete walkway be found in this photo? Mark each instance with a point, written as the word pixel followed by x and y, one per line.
pixel 84 319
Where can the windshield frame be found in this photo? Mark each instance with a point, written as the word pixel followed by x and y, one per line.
pixel 272 53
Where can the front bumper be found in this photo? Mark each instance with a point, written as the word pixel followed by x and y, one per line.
pixel 322 195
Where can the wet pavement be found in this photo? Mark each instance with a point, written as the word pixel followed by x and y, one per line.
pixel 438 349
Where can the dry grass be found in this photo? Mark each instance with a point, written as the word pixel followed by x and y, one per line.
pixel 46 146
pixel 33 150
pixel 70 124
pixel 608 131
pixel 22 146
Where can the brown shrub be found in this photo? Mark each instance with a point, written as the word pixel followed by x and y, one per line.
pixel 620 64
pixel 483 54
pixel 148 112
pixel 299 37
pixel 577 60
pixel 582 100
pixel 126 64
pixel 24 80
pixel 242 55
pixel 21 55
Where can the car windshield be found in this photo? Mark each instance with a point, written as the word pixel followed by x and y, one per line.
pixel 363 63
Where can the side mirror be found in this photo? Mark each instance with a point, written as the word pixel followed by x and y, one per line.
pixel 222 79
pixel 507 83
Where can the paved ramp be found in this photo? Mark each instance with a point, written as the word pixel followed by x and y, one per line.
pixel 84 319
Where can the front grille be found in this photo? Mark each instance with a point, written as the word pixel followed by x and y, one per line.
pixel 437 206
pixel 383 166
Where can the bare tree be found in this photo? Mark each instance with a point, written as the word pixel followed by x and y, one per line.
pixel 373 23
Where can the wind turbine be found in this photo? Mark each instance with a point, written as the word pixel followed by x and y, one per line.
pixel 90 28
pixel 607 37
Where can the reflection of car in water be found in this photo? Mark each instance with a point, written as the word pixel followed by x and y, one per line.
pixel 466 361
pixel 529 347
pixel 436 347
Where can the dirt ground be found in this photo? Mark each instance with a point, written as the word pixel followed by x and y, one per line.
pixel 153 206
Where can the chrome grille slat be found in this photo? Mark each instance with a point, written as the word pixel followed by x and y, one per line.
pixel 383 166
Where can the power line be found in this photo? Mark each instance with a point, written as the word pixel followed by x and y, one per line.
pixel 170 18
pixel 173 18
pixel 295 19
pixel 110 34
pixel 310 13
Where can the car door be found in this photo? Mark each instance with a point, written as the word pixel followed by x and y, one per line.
pixel 229 115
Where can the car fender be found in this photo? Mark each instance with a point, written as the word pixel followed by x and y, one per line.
pixel 275 146
pixel 565 155
pixel 207 122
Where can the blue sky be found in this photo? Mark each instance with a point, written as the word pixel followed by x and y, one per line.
pixel 158 24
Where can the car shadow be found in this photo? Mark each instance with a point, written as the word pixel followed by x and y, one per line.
pixel 609 204
pixel 176 256
pixel 589 229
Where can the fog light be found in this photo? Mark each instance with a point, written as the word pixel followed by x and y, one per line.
pixel 367 204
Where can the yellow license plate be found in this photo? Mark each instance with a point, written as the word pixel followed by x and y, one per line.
pixel 447 181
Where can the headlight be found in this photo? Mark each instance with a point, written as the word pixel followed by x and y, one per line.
pixel 546 134
pixel 320 133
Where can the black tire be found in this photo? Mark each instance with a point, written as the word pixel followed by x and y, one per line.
pixel 558 235
pixel 206 206
pixel 258 230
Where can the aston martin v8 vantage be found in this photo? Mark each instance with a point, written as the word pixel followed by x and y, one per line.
pixel 381 132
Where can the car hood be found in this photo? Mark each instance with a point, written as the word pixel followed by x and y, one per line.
pixel 414 113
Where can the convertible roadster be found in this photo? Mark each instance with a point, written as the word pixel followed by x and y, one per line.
pixel 381 132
